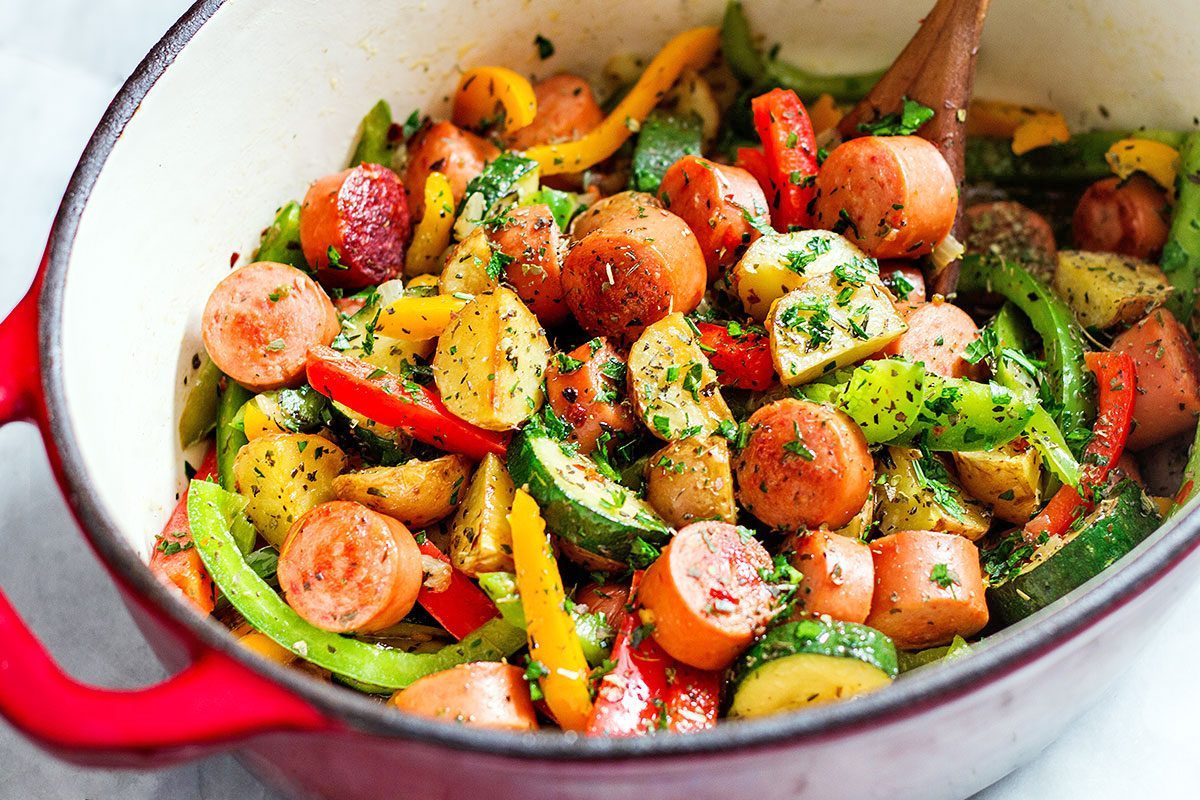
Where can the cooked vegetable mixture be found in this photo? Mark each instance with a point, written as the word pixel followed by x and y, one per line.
pixel 710 395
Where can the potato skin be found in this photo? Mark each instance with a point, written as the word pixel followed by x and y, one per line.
pixel 480 537
pixel 285 475
pixel 1106 290
pixel 490 363
pixel 805 466
pixel 691 480
pixel 904 503
pixel 418 493
pixel 1008 479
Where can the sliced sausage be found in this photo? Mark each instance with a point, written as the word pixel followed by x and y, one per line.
pixel 716 202
pixel 355 226
pixel 586 388
pixel 893 196
pixel 1168 378
pixel 566 110
pixel 345 568
pixel 618 207
pixel 839 575
pixel 609 599
pixel 485 694
pixel 938 335
pixel 260 321
pixel 1127 217
pixel 444 148
pixel 1010 230
pixel 632 271
pixel 530 237
pixel 904 281
pixel 805 465
pixel 705 594
pixel 928 588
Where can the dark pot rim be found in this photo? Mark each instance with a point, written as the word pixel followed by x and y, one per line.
pixel 912 696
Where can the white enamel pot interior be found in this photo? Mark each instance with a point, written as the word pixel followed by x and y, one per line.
pixel 266 96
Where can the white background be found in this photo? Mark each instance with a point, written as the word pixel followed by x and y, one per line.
pixel 60 63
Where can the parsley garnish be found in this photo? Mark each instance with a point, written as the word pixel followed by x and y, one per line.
pixel 911 117
pixel 566 364
pixel 276 345
pixel 943 576
pixel 335 258
pixel 497 264
pixel 982 347
pixel 412 124
pixel 533 672
pixel 797 445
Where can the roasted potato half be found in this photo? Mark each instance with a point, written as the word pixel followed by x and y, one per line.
pixel 919 494
pixel 780 263
pixel 1107 289
pixel 691 480
pixel 465 270
pixel 1008 479
pixel 491 361
pixel 418 493
pixel 284 476
pixel 674 389
pixel 480 538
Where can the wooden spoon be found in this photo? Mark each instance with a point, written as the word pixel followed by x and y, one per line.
pixel 937 69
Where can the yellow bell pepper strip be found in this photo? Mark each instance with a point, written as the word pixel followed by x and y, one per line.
pixel 825 114
pixel 432 236
pixel 428 279
pixel 693 48
pixel 256 422
pixel 266 647
pixel 553 644
pixel 493 96
pixel 1159 161
pixel 1029 127
pixel 418 318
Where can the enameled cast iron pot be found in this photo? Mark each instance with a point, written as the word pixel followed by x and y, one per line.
pixel 242 103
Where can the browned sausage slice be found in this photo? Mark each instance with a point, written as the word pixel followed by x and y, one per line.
pixel 566 110
pixel 486 694
pixel 1128 217
pixel 805 465
pixel 530 236
pixel 346 568
pixel 1168 378
pixel 938 335
pixel 632 271
pixel 839 576
pixel 444 148
pixel 260 321
pixel 716 202
pixel 1013 231
pixel 586 389
pixel 893 196
pixel 355 227
pixel 705 594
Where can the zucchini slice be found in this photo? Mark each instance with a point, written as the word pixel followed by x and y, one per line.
pixel 809 662
pixel 580 504
pixel 1024 579
pixel 380 445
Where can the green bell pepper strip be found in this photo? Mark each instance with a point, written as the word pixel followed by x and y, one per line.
pixel 1011 368
pixel 1070 383
pixel 1078 160
pixel 296 410
pixel 563 205
pixel 230 435
pixel 1181 253
pixel 910 660
pixel 212 511
pixel 883 397
pixel 1191 478
pixel 281 241
pixel 595 635
pixel 199 415
pixel 764 73
pixel 374 145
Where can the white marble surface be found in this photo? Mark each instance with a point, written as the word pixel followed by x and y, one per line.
pixel 60 63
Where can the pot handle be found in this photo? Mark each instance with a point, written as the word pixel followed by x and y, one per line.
pixel 212 704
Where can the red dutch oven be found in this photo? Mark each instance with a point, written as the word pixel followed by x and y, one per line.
pixel 230 114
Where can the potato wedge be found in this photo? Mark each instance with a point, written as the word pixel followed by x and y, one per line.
pixel 480 538
pixel 1106 289
pixel 916 494
pixel 674 389
pixel 780 263
pixel 284 476
pixel 691 480
pixel 465 270
pixel 418 493
pixel 490 362
pixel 1009 479
pixel 830 322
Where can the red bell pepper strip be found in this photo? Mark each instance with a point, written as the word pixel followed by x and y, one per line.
pixel 461 607
pixel 1116 381
pixel 648 691
pixel 753 161
pixel 390 400
pixel 174 558
pixel 790 150
pixel 743 360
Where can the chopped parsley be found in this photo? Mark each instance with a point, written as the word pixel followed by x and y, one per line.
pixel 982 347
pixel 905 123
pixel 535 671
pixel 566 364
pixel 335 259
pixel 412 124
pixel 943 576
pixel 497 264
